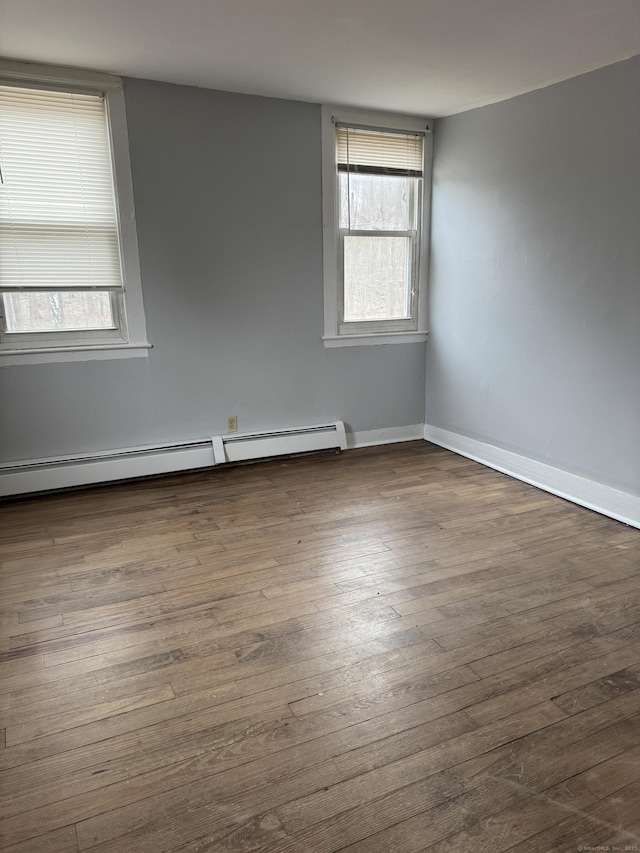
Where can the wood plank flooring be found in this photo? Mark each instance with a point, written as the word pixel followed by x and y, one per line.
pixel 392 649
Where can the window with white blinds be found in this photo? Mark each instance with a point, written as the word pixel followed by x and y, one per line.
pixel 69 269
pixel 378 175
pixel 376 172
pixel 58 226
pixel 370 151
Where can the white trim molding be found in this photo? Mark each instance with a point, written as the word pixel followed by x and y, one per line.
pixel 38 475
pixel 622 506
pixel 373 340
pixel 386 435
pixel 45 356
pixel 36 72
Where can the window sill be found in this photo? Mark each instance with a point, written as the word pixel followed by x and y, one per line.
pixel 331 341
pixel 87 353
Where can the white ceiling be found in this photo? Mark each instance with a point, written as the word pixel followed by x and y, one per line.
pixel 428 57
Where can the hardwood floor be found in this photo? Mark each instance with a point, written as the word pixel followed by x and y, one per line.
pixel 392 649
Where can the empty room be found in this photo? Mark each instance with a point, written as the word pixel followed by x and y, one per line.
pixel 319 426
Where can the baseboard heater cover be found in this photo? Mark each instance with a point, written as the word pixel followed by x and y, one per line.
pixel 238 447
pixel 38 475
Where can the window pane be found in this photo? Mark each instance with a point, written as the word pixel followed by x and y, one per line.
pixel 377 275
pixel 58 224
pixel 375 202
pixel 56 312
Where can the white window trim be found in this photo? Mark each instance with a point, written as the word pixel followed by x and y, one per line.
pixel 330 213
pixel 136 344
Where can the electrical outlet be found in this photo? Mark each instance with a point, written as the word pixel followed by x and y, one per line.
pixel 232 423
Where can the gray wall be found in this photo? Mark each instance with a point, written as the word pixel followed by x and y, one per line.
pixel 228 201
pixel 535 286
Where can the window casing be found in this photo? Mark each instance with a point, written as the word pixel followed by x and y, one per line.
pixel 376 187
pixel 69 271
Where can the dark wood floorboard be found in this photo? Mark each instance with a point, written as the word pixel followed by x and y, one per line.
pixel 391 649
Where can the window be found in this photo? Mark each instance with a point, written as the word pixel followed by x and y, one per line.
pixel 69 274
pixel 375 246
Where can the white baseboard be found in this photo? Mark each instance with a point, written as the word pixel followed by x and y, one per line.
pixel 387 435
pixel 32 476
pixel 614 503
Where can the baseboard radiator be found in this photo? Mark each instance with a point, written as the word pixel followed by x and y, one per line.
pixel 38 475
pixel 238 447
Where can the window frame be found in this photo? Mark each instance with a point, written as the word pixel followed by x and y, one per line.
pixel 337 332
pixel 129 339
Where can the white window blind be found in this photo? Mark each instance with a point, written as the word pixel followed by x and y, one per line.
pixel 58 225
pixel 372 151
